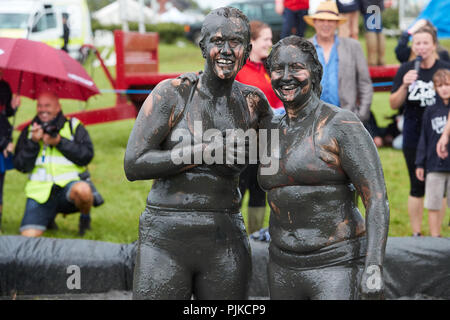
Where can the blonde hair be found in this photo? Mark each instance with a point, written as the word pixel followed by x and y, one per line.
pixel 441 76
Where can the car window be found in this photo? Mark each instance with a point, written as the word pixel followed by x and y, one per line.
pixel 252 11
pixel 13 20
pixel 51 20
pixel 47 21
pixel 269 10
pixel 40 25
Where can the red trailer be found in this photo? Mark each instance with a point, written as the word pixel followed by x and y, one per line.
pixel 382 77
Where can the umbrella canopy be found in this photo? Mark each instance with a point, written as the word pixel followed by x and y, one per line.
pixel 31 67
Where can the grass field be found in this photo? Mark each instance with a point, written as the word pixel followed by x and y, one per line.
pixel 117 220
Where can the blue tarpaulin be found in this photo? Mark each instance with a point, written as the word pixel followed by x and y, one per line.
pixel 438 12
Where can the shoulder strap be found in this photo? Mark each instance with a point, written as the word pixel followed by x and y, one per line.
pixel 191 94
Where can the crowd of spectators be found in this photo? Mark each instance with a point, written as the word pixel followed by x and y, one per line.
pixel 56 159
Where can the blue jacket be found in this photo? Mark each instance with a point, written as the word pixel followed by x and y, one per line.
pixel 433 123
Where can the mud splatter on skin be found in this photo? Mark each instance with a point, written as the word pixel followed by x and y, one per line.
pixel 329 153
pixel 148 105
pixel 197 188
pixel 342 230
pixel 323 204
pixel 320 126
pixel 172 117
pixel 275 208
pixel 331 240
pixel 187 167
pixel 253 101
pixel 311 144
pixel 224 46
pixel 176 82
pixel 289 217
pixel 365 194
pixel 291 78
pixel 360 228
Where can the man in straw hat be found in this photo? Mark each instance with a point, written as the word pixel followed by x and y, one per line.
pixel 346 81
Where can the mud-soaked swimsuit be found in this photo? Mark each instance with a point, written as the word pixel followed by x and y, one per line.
pixel 326 274
pixel 316 249
pixel 185 252
pixel 186 249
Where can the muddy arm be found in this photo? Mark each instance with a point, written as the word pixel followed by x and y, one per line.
pixel 360 161
pixel 262 108
pixel 144 157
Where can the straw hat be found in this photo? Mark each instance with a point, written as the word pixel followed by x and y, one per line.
pixel 326 10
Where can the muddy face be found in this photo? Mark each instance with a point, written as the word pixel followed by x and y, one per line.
pixel 225 46
pixel 290 75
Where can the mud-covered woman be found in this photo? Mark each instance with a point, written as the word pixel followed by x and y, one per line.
pixel 321 247
pixel 192 239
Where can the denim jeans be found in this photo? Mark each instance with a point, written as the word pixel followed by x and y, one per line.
pixel 293 19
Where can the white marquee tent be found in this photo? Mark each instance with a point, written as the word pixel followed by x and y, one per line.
pixel 111 13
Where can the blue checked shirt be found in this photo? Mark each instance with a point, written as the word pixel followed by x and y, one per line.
pixel 330 83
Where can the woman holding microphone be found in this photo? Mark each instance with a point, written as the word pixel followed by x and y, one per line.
pixel 413 91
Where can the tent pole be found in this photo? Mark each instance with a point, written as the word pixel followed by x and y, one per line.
pixel 123 15
pixel 141 17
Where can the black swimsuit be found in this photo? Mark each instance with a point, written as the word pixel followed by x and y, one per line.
pixel 311 190
pixel 192 249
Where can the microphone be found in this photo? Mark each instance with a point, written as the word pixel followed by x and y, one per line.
pixel 417 63
pixel 417 68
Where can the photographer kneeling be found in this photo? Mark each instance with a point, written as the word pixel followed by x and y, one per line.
pixel 55 151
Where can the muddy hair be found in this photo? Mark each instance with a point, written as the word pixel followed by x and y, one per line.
pixel 305 46
pixel 227 12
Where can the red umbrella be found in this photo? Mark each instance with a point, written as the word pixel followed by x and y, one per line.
pixel 39 67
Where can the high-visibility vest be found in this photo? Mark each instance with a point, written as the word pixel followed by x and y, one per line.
pixel 51 167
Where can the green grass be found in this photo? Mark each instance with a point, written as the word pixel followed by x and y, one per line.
pixel 117 220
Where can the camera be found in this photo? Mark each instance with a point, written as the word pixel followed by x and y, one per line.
pixel 50 129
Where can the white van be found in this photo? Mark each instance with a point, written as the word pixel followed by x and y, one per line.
pixel 41 20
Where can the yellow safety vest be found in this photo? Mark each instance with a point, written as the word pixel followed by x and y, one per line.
pixel 51 167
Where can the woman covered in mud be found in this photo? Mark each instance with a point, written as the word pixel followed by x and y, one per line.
pixel 321 247
pixel 192 239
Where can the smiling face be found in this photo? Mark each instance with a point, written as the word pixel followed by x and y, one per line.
pixel 48 107
pixel 325 28
pixel 290 75
pixel 225 46
pixel 261 45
